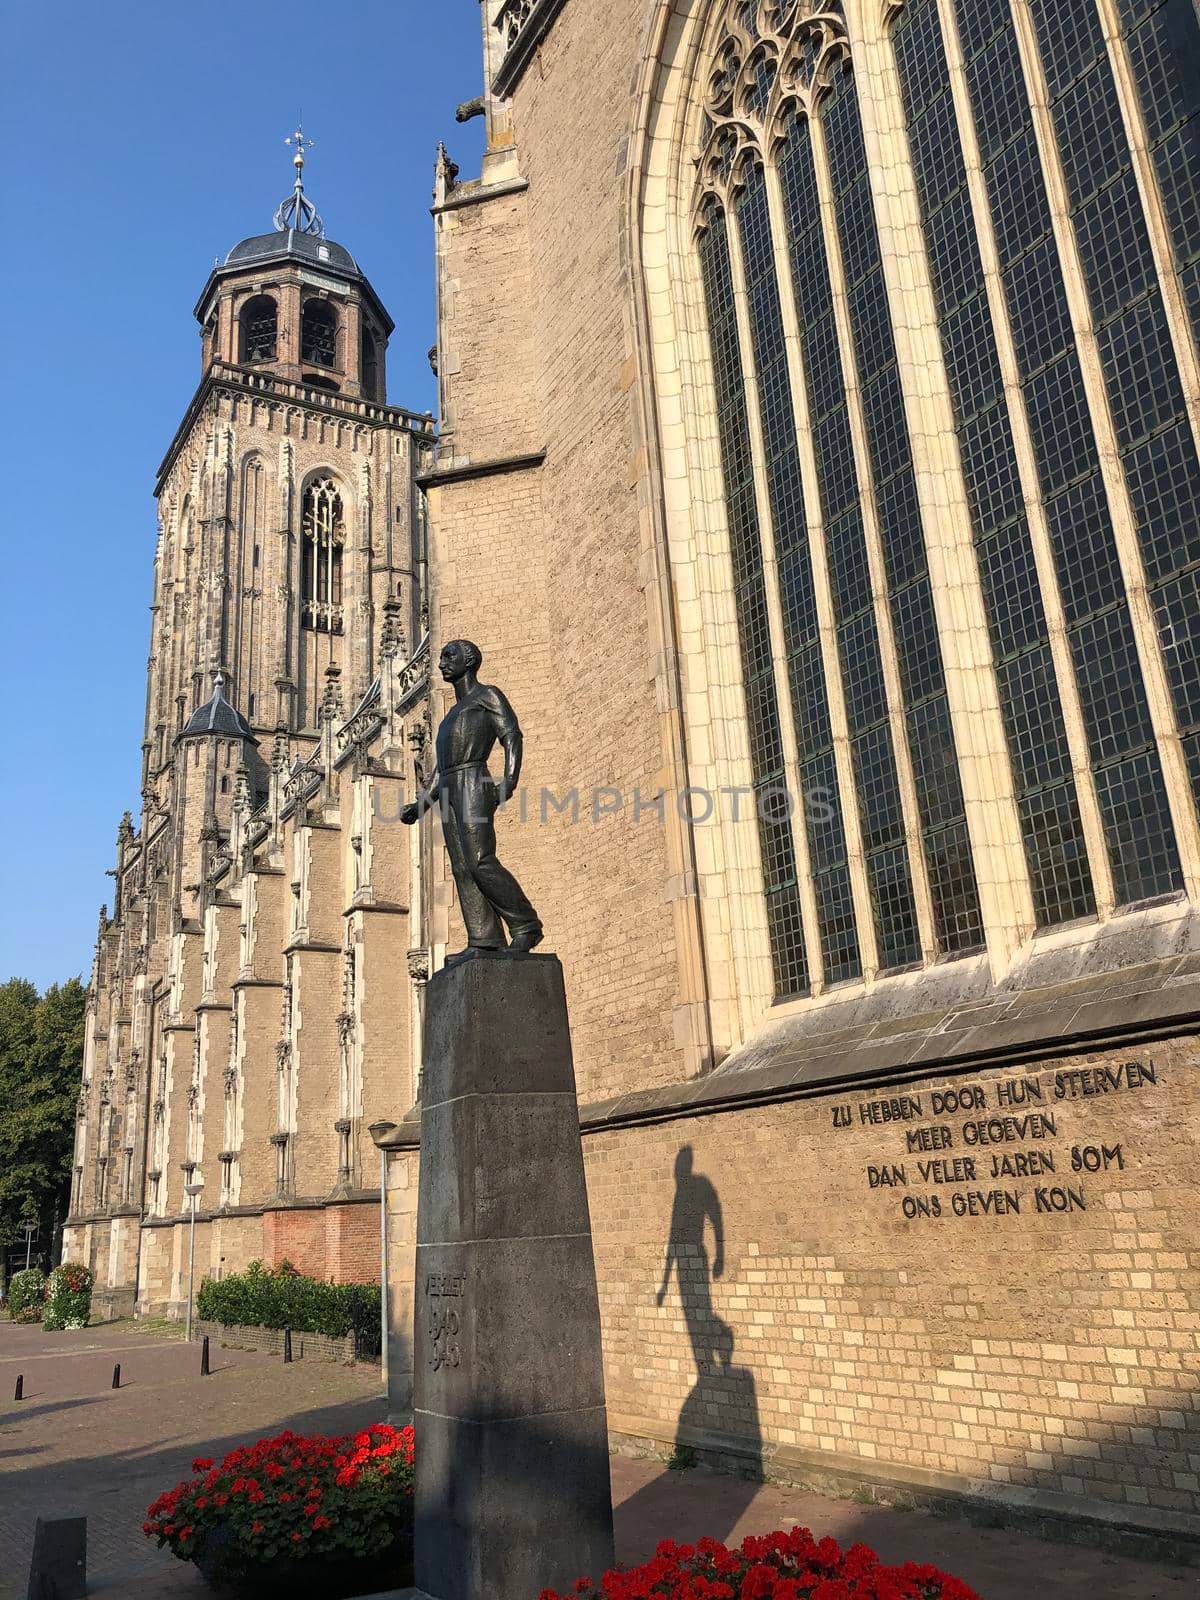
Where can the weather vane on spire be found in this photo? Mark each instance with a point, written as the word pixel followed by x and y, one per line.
pixel 297 211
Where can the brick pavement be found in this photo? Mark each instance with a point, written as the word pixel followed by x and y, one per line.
pixel 75 1444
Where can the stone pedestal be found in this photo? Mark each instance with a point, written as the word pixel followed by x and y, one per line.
pixel 512 1492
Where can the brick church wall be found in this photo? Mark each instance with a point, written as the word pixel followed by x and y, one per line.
pixel 1025 1335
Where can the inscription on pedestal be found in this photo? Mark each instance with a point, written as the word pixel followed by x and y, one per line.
pixel 446 1309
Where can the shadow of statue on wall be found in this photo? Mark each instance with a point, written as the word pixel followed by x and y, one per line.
pixel 720 1415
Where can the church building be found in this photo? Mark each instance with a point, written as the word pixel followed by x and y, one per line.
pixel 817 466
pixel 252 1001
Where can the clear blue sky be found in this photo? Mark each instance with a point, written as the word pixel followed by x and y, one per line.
pixel 140 141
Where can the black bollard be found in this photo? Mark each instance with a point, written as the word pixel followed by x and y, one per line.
pixel 116 1383
pixel 204 1373
pixel 20 1394
pixel 58 1566
pixel 287 1344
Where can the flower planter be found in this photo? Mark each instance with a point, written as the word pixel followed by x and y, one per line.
pixel 296 1515
pixel 333 1577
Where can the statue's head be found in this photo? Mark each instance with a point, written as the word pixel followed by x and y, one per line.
pixel 458 657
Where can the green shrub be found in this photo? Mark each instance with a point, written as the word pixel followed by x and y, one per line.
pixel 25 1295
pixel 260 1298
pixel 68 1297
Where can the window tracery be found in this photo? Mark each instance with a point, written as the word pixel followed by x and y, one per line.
pixel 323 537
pixel 779 68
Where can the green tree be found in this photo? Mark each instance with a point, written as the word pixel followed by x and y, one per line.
pixel 41 1058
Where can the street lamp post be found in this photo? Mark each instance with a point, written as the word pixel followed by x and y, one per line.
pixel 378 1131
pixel 192 1190
pixel 30 1230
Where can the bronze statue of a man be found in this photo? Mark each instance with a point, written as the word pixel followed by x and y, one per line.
pixel 479 718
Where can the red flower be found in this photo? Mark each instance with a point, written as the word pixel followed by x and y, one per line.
pixel 201 1464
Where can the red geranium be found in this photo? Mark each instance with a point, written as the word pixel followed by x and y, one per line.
pixel 775 1566
pixel 360 1483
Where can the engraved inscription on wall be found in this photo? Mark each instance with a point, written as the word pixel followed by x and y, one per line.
pixel 446 1308
pixel 998 1149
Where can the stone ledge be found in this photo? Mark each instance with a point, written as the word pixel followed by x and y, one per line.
pixel 791 1059
pixel 362 1197
pixel 1126 1530
pixel 452 473
pixel 476 194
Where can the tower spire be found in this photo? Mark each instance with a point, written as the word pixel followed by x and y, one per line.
pixel 297 211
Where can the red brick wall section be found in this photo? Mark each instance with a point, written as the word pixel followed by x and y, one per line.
pixel 339 1244
pixel 352 1243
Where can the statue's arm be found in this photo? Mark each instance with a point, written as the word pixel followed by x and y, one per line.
pixel 426 798
pixel 508 732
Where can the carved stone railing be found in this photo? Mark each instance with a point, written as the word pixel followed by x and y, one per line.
pixel 303 781
pixel 522 25
pixel 415 675
pixel 361 726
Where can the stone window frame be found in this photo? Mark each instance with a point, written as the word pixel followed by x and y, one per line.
pixel 661 177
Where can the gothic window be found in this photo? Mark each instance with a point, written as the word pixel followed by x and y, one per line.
pixel 259 329
pixel 812 219
pixel 323 536
pixel 318 334
pixel 1145 400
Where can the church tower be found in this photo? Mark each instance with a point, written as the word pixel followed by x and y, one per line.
pixel 286 500
pixel 224 1048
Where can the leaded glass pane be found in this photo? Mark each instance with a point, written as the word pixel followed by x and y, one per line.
pixel 784 919
pixel 1177 604
pixel 1139 362
pixel 1136 351
pixel 1037 739
pixel 1085 555
pixel 1053 836
pixel 1010 586
pixel 1164 482
pixel 895 915
pixel 1025 677
pixel 1091 135
pixel 874 762
pixel 953 890
pixel 1165 56
pixel 930 737
pixel 997 92
pixel 1137 822
pixel 1037 307
pixel 1070 37
pixel 1020 209
pixel 823 824
pixel 1110 684
pixel 1113 247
